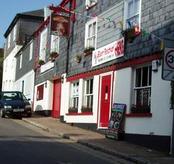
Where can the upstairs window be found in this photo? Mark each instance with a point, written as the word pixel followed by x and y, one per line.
pixel 31 51
pixel 20 61
pixel 14 32
pixel 90 33
pixel 55 43
pixel 90 3
pixel 43 45
pixel 132 9
pixel 9 40
pixel 142 90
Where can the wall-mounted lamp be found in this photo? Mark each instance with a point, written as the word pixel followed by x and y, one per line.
pixel 62 79
pixel 155 65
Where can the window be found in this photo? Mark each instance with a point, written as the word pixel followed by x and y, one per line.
pixel 14 32
pixel 31 51
pixel 8 40
pixel 142 89
pixel 132 13
pixel 75 95
pixel 40 92
pixel 88 96
pixel 90 33
pixel 90 3
pixel 20 61
pixel 43 45
pixel 54 43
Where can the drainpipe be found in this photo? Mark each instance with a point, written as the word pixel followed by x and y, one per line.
pixel 68 39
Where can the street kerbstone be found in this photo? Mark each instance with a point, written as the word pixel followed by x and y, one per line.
pixel 98 142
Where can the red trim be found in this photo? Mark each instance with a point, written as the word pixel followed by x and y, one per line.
pixel 139 115
pixel 98 101
pixel 79 114
pixel 58 9
pixel 129 63
pixel 62 8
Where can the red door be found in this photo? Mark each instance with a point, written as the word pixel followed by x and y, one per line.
pixel 105 101
pixel 56 99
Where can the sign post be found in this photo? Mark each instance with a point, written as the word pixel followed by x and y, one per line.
pixel 168 64
pixel 168 74
pixel 116 123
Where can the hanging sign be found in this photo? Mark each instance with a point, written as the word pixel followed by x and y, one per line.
pixel 116 123
pixel 168 64
pixel 109 52
pixel 59 25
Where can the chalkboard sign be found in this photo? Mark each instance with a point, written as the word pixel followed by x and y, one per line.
pixel 116 123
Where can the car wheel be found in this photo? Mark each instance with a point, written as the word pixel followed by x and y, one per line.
pixel 2 113
pixel 29 115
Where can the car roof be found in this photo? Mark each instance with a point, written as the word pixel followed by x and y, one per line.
pixel 10 92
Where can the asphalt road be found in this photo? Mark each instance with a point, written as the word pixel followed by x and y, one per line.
pixel 21 143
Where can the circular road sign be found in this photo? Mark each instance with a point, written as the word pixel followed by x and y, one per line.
pixel 169 59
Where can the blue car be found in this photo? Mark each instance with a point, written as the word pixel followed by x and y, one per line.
pixel 14 103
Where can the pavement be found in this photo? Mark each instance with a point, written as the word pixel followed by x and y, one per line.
pixel 97 141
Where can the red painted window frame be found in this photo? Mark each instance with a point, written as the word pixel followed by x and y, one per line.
pixel 40 92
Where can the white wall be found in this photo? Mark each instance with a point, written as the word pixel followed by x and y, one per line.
pixel 65 98
pixel 122 87
pixel 9 70
pixel 47 101
pixel 161 121
pixel 65 103
pixel 28 84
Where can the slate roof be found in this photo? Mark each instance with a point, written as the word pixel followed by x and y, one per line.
pixel 35 14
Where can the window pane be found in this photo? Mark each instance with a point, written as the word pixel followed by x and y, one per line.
pixel 136 6
pixel 94 28
pixel 87 87
pixel 90 30
pixel 146 97
pixel 145 76
pixel 143 97
pixel 91 87
pixel 130 9
pixel 138 77
pixel 138 97
pixel 150 75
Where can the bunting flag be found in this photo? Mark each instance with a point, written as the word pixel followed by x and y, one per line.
pixel 115 24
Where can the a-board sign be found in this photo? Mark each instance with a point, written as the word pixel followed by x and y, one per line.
pixel 116 122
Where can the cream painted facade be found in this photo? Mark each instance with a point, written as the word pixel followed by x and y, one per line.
pixel 46 102
pixel 9 70
pixel 26 85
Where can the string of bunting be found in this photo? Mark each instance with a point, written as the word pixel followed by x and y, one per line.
pixel 120 23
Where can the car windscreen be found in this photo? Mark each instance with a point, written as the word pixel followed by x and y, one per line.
pixel 11 96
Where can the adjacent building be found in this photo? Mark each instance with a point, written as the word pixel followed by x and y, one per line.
pixel 17 34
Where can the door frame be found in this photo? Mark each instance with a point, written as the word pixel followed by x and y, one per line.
pixel 99 93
